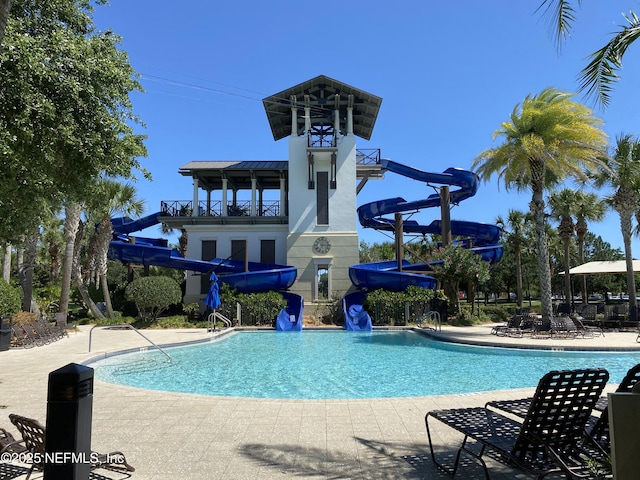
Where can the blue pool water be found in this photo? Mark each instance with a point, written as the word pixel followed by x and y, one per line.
pixel 340 364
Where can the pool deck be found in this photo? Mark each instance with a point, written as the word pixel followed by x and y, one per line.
pixel 184 436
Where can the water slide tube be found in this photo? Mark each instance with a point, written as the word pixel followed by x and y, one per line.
pixel 289 318
pixel 484 237
pixel 356 317
pixel 260 277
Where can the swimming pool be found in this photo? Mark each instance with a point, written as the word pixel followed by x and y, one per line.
pixel 344 365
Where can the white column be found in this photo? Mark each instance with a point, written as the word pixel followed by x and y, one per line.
pixel 253 196
pixel 223 208
pixel 349 120
pixel 336 123
pixel 283 197
pixel 294 121
pixel 195 212
pixel 307 119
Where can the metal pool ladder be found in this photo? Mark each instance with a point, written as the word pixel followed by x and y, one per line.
pixel 130 327
pixel 430 315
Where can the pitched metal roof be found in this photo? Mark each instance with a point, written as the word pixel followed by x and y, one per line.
pixel 238 173
pixel 323 94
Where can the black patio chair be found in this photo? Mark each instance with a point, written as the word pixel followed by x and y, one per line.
pixel 597 427
pixel 513 323
pixel 563 309
pixel 547 440
pixel 542 328
pixel 563 327
pixel 34 433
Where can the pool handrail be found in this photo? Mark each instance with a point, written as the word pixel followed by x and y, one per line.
pixel 130 327
pixel 211 319
pixel 431 314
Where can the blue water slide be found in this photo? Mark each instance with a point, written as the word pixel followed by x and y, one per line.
pixel 484 238
pixel 260 277
pixel 356 317
pixel 290 317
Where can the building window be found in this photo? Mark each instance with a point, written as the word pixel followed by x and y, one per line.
pixel 322 282
pixel 268 251
pixel 239 250
pixel 322 198
pixel 208 253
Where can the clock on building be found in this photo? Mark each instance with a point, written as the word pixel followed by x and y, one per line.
pixel 321 245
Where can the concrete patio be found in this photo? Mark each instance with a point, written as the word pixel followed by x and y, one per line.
pixel 171 435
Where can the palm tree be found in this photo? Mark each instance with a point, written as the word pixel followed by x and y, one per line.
pixel 550 137
pixel 601 72
pixel 113 198
pixel 622 175
pixel 6 263
pixel 72 212
pixel 589 207
pixel 514 227
pixel 52 238
pixel 562 208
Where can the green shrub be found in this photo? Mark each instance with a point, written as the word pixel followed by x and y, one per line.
pixel 192 310
pixel 153 295
pixel 389 308
pixel 174 321
pixel 257 308
pixel 261 308
pixel 10 301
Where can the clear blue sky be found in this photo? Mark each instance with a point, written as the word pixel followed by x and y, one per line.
pixel 448 73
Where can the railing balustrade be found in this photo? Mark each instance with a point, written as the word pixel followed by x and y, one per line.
pixel 184 208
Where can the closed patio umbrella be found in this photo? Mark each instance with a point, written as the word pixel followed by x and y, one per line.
pixel 213 298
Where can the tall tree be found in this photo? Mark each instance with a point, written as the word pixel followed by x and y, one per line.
pixel 562 204
pixel 621 173
pixel 514 227
pixel 588 207
pixel 6 263
pixel 550 137
pixel 63 122
pixel 112 198
pixel 5 7
pixel 598 77
pixel 53 239
pixel 72 213
pixel 66 119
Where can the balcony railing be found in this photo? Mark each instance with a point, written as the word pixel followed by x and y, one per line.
pixel 368 156
pixel 184 208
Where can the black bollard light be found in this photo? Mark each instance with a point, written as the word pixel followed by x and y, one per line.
pixel 5 333
pixel 69 414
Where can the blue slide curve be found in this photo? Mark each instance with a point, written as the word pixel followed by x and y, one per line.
pixel 484 237
pixel 260 277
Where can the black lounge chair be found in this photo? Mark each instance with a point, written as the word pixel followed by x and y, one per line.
pixel 8 444
pixel 597 427
pixel 501 330
pixel 549 437
pixel 517 326
pixel 563 309
pixel 564 327
pixel 33 434
pixel 542 328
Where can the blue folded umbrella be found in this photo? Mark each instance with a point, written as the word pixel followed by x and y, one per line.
pixel 213 297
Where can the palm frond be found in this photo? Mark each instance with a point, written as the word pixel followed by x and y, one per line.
pixel 598 77
pixel 560 17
